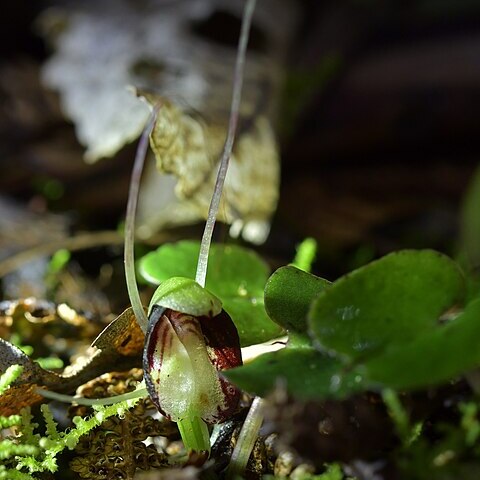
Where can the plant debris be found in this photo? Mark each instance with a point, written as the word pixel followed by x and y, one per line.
pixel 117 448
pixel 120 344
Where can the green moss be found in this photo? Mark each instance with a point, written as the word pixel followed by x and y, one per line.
pixel 29 453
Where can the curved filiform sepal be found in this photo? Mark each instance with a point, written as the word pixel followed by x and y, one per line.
pixel 181 357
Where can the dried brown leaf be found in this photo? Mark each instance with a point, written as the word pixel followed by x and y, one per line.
pixel 118 347
pixel 122 336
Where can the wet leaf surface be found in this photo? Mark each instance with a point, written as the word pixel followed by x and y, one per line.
pixel 391 300
pixel 434 357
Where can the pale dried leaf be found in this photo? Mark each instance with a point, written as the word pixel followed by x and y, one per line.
pixel 189 148
pixel 106 46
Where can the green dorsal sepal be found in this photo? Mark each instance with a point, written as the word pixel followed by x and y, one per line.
pixel 184 295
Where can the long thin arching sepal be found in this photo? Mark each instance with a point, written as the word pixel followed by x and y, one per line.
pixel 227 149
pixel 140 155
pixel 59 397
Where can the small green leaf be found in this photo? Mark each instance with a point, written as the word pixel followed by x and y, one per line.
pixel 58 261
pixel 288 295
pixel 305 255
pixel 235 275
pixel 304 372
pixel 434 357
pixel 389 301
pixel 333 472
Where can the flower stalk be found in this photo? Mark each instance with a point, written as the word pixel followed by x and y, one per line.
pixel 195 434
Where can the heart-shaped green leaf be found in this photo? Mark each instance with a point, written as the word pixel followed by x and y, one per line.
pixel 389 301
pixel 235 274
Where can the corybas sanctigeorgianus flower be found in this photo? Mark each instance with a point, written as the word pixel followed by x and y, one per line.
pixel 188 341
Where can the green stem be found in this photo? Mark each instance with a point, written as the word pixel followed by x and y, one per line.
pixel 195 435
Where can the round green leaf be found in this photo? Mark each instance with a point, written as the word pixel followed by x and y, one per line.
pixel 432 358
pixel 305 373
pixel 235 274
pixel 288 295
pixel 170 260
pixel 389 301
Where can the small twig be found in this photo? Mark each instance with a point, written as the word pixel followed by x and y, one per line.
pixel 78 242
pixel 227 149
pixel 81 241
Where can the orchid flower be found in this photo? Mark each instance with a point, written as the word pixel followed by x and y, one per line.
pixel 189 340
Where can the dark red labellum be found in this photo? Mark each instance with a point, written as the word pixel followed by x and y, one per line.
pixel 173 333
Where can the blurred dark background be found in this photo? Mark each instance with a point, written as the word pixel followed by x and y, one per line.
pixel 379 130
